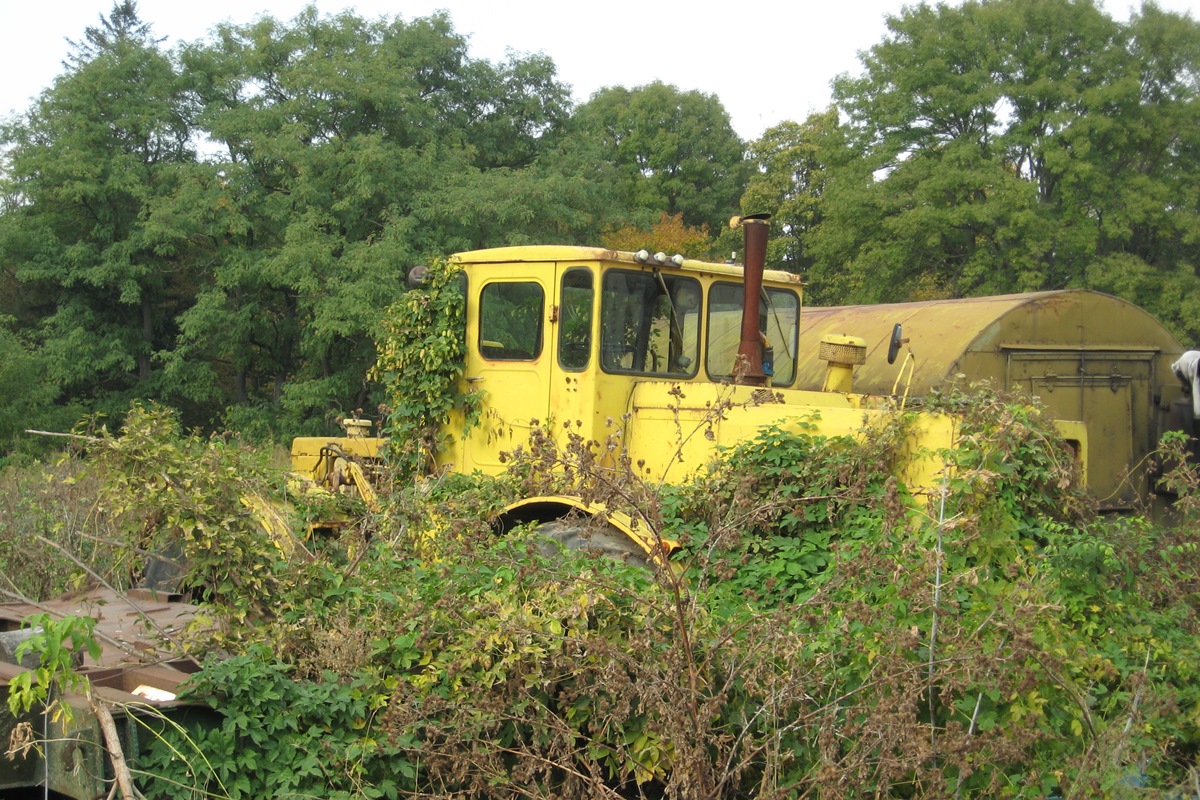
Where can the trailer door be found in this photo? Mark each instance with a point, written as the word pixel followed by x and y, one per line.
pixel 1109 392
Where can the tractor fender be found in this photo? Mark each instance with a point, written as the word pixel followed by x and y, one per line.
pixel 548 508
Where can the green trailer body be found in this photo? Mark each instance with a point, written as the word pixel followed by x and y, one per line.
pixel 1088 356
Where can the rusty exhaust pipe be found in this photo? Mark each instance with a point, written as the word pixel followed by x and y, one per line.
pixel 749 369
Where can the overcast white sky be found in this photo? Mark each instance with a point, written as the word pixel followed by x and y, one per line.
pixel 767 61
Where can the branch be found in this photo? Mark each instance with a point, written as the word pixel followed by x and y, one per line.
pixel 142 615
pixel 116 753
pixel 92 439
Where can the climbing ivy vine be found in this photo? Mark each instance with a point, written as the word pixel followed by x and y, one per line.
pixel 421 355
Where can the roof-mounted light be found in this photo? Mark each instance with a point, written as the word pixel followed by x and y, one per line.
pixel 660 258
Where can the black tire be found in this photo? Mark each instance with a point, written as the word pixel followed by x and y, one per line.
pixel 164 570
pixel 591 537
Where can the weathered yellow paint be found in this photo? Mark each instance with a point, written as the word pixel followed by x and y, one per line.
pixel 307 458
pixel 677 430
pixel 1098 363
pixel 273 522
pixel 518 396
pixel 327 464
pixel 1090 357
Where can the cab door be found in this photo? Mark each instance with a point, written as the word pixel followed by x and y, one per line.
pixel 573 386
pixel 508 361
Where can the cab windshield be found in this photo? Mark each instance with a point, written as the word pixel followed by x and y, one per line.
pixel 650 323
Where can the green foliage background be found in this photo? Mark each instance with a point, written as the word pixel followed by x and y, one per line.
pixel 222 227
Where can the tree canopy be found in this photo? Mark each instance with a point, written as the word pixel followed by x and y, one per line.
pixel 1015 145
pixel 98 282
pixel 221 226
pixel 675 152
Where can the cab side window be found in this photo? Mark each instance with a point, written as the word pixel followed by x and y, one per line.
pixel 510 321
pixel 650 323
pixel 779 323
pixel 575 323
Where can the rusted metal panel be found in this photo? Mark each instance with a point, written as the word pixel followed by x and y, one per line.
pixel 136 676
pixel 939 332
pixel 133 628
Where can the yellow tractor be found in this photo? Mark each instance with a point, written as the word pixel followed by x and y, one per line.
pixel 669 358
pixel 662 356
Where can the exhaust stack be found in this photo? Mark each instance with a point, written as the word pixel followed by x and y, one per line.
pixel 749 369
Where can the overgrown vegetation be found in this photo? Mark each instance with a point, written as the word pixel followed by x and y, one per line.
pixel 49 513
pixel 422 350
pixel 823 632
pixel 821 629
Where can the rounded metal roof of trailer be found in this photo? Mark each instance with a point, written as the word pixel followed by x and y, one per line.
pixel 562 252
pixel 943 334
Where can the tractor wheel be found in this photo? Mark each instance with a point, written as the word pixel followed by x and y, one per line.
pixel 591 537
pixel 164 570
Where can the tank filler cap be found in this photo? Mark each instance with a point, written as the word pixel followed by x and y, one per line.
pixel 840 349
pixel 357 428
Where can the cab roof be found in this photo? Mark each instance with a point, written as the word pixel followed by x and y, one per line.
pixel 556 252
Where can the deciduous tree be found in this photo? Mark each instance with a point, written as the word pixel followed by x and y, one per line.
pixel 675 151
pixel 1015 145
pixel 788 182
pixel 351 150
pixel 669 235
pixel 86 164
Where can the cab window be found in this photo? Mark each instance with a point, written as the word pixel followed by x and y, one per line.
pixel 779 316
pixel 575 319
pixel 510 321
pixel 650 323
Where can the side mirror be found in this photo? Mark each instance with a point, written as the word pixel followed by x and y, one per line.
pixel 897 340
pixel 417 276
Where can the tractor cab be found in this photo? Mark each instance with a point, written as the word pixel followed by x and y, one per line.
pixel 563 336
